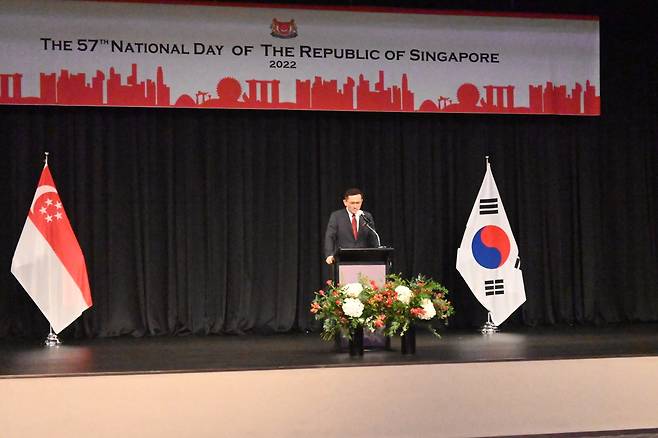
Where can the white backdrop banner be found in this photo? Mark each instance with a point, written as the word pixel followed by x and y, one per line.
pixel 72 52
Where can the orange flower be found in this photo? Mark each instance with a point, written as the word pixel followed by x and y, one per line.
pixel 315 307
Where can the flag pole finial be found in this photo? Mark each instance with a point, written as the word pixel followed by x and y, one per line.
pixel 486 157
pixel 45 161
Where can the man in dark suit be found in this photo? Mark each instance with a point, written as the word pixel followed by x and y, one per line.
pixel 347 227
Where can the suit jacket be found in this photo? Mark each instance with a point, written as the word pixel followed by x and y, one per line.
pixel 339 233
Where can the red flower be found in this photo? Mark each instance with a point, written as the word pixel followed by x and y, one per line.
pixel 338 302
pixel 329 282
pixel 321 293
pixel 374 285
pixel 417 311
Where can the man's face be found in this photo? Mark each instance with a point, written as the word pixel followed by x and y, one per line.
pixel 353 203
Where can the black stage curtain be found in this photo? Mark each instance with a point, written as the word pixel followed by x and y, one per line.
pixel 211 221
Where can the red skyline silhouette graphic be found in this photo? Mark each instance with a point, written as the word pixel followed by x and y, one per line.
pixel 315 94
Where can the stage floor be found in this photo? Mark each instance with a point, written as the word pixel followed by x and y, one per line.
pixel 127 355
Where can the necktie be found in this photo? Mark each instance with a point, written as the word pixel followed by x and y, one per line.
pixel 354 226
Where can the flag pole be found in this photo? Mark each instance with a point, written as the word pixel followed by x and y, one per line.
pixel 489 327
pixel 52 340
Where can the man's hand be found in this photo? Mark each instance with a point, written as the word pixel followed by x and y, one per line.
pixel 330 260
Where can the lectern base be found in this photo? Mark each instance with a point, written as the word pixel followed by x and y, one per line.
pixel 371 341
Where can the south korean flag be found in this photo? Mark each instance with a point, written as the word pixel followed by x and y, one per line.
pixel 488 258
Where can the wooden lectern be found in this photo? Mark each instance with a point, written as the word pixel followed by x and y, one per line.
pixel 374 263
pixel 351 263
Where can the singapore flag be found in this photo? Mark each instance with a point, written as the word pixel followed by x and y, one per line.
pixel 48 261
pixel 488 258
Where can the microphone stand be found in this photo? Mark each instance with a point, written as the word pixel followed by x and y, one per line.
pixel 367 222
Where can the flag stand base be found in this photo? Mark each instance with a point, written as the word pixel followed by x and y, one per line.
pixel 489 327
pixel 52 340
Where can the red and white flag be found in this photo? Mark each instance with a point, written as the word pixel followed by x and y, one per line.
pixel 48 261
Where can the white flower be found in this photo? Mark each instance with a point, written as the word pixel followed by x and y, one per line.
pixel 404 294
pixel 352 307
pixel 428 307
pixel 352 289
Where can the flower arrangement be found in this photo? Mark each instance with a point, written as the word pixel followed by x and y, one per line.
pixel 342 308
pixel 418 299
pixel 392 307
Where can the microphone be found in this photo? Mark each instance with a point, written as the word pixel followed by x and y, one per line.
pixel 368 224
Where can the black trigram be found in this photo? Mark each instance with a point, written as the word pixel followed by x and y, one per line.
pixel 517 265
pixel 489 206
pixel 493 287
